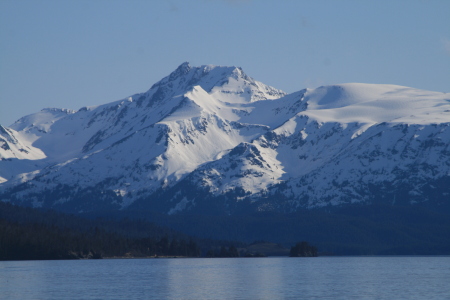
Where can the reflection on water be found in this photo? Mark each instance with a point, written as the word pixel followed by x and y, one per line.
pixel 248 278
pixel 229 278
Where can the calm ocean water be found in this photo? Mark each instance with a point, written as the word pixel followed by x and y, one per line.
pixel 229 278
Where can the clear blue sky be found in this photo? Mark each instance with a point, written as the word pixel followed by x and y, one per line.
pixel 71 54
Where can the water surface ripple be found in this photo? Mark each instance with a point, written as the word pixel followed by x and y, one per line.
pixel 229 278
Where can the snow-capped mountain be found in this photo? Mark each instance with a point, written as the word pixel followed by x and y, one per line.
pixel 212 139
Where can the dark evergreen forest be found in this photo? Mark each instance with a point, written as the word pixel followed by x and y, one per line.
pixel 27 233
pixel 31 234
pixel 40 241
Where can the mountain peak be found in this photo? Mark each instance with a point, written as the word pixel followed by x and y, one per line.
pixel 227 84
pixel 182 69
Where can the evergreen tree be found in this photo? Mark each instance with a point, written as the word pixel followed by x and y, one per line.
pixel 303 249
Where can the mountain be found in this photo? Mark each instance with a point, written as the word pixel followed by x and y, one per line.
pixel 212 140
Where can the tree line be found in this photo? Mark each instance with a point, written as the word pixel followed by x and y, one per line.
pixel 31 234
pixel 40 241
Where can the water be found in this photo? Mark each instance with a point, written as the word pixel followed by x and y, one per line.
pixel 229 278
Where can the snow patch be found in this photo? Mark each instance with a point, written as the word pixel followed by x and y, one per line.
pixel 179 207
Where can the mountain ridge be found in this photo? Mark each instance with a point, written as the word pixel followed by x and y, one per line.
pixel 211 136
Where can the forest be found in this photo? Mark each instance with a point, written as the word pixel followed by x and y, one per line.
pixel 32 234
pixel 27 233
pixel 39 241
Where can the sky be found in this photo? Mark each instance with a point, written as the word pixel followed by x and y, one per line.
pixel 70 54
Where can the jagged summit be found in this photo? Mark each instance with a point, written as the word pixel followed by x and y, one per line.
pixel 181 70
pixel 228 84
